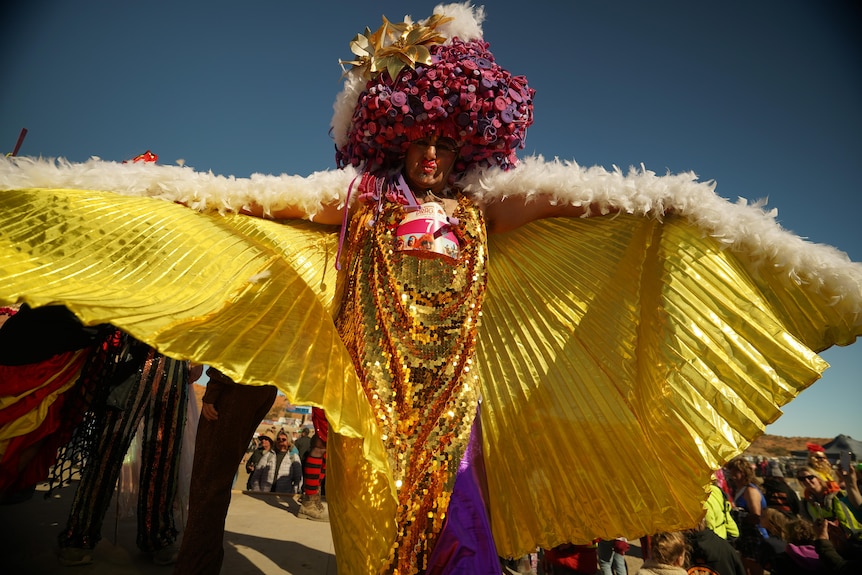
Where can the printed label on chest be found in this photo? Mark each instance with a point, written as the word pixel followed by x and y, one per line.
pixel 427 233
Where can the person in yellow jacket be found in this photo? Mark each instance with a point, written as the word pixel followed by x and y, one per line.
pixel 718 517
pixel 824 502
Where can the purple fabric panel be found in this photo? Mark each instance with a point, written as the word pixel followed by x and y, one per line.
pixel 466 544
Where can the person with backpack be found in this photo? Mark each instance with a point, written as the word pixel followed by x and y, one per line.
pixel 719 517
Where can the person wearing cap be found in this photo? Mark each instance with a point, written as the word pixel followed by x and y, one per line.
pixel 779 495
pixel 817 459
pixel 279 469
pixel 287 472
pixel 264 446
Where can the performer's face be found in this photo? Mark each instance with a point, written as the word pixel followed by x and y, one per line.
pixel 429 162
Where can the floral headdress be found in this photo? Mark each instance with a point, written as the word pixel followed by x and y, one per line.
pixel 410 80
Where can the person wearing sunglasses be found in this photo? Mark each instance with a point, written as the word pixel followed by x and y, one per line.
pixel 818 460
pixel 824 501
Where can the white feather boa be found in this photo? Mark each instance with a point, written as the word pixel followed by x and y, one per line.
pixel 744 228
pixel 198 190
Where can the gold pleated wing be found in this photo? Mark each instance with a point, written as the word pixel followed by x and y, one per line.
pixel 250 296
pixel 622 359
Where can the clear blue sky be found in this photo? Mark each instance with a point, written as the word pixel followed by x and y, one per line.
pixel 763 97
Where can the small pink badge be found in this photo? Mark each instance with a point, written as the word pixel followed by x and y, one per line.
pixel 426 232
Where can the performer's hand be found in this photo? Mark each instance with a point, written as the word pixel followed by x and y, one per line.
pixel 209 411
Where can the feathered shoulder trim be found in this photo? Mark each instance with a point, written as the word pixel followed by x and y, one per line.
pixel 201 191
pixel 745 228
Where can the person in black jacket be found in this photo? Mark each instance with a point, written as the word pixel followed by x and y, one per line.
pixel 778 494
pixel 264 445
pixel 710 550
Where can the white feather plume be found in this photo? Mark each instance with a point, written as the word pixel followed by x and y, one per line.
pixel 467 23
pixel 343 107
pixel 201 191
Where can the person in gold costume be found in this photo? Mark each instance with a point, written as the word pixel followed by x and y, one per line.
pixel 665 319
pixel 410 307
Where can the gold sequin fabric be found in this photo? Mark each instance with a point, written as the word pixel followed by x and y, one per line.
pixel 409 323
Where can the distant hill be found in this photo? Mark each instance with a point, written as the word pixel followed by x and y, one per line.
pixel 778 446
pixel 199 394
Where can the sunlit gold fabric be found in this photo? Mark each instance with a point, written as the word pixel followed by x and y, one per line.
pixel 655 358
pixel 246 295
pixel 620 359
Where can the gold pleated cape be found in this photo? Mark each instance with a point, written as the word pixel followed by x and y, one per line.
pixel 621 358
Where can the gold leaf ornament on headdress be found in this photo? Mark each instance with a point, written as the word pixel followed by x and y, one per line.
pixel 393 47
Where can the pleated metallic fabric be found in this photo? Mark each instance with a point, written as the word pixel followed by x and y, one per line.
pixel 621 359
pixel 653 358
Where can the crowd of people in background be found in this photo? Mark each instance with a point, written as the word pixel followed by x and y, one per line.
pixel 762 516
pixel 276 466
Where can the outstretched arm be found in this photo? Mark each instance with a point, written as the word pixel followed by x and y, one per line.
pixel 330 214
pixel 503 215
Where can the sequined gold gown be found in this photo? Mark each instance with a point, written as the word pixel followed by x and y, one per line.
pixel 410 325
pixel 619 359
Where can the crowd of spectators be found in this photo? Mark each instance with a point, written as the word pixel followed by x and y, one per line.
pixel 762 516
pixel 274 461
pixel 776 516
